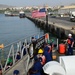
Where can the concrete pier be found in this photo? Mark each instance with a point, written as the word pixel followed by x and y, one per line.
pixel 58 29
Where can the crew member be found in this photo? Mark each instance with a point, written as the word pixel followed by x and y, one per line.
pixel 70 42
pixel 42 58
pixel 36 68
pixel 50 51
pixel 18 57
pixel 47 52
pixel 33 40
pixel 46 48
pixel 16 72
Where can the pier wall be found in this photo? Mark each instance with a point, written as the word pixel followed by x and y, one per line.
pixel 59 31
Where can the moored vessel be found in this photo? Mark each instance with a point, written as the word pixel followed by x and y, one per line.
pixel 7 13
pixel 22 14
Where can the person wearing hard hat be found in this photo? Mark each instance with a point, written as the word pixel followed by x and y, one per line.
pixel 70 42
pixel 41 57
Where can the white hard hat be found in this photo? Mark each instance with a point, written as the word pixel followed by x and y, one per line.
pixel 69 34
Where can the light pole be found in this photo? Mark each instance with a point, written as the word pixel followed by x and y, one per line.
pixel 46 19
pixel 47 14
pixel 47 25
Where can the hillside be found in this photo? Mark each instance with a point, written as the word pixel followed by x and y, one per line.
pixel 4 6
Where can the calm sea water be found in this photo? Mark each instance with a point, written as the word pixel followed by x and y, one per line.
pixel 14 28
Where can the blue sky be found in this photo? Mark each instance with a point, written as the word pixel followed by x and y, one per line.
pixel 36 2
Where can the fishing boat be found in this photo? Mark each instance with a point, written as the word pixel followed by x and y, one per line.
pixel 22 14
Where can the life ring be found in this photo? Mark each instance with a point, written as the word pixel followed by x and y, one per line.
pixel 2 46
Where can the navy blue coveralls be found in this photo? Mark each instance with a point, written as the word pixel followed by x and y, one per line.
pixel 47 55
pixel 70 49
pixel 37 67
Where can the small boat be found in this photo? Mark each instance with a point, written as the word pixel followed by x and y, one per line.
pixel 7 13
pixel 22 14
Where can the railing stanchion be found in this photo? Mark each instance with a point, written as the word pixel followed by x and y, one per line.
pixel 57 43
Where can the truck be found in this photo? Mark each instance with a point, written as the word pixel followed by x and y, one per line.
pixel 72 16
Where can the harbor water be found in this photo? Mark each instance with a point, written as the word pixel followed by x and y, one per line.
pixel 14 29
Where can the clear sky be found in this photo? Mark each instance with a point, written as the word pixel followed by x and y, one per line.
pixel 36 2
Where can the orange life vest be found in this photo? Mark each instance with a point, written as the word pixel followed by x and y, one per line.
pixel 43 60
pixel 69 41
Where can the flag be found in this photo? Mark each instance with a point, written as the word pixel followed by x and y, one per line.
pixel 42 10
pixel 39 14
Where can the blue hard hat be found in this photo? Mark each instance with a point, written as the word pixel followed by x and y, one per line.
pixel 16 72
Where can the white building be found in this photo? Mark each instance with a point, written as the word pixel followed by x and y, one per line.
pixel 66 9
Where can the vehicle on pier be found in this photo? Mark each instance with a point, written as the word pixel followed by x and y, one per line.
pixel 22 14
pixel 72 16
